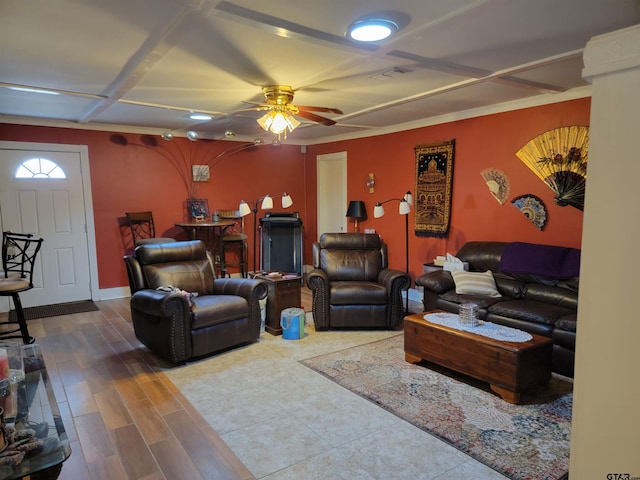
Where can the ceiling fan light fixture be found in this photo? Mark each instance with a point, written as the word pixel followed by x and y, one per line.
pixel 278 122
pixel 371 30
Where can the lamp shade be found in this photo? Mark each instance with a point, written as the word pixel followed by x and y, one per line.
pixel 378 210
pixel 286 200
pixel 267 203
pixel 244 208
pixel 404 208
pixel 408 198
pixel 357 210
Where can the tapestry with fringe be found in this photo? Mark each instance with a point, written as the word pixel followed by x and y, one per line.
pixel 434 182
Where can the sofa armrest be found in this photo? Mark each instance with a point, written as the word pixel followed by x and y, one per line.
pixel 318 283
pixel 395 282
pixel 162 321
pixel 252 290
pixel 158 303
pixel 438 282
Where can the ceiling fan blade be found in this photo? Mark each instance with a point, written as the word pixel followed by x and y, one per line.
pixel 315 118
pixel 319 109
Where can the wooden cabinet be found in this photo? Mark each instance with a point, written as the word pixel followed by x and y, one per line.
pixel 282 293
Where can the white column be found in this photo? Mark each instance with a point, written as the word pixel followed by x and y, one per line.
pixel 605 436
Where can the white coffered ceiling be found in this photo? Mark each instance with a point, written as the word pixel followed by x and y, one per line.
pixel 145 64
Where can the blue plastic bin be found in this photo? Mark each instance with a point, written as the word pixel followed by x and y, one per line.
pixel 292 323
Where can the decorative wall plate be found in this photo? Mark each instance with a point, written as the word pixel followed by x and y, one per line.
pixel 498 184
pixel 532 208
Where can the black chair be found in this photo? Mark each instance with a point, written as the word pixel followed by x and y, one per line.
pixel 233 238
pixel 19 251
pixel 180 310
pixel 351 284
pixel 143 230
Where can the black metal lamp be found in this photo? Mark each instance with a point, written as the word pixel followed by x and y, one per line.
pixel 357 211
pixel 403 209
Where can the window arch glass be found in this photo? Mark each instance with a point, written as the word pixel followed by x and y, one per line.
pixel 39 168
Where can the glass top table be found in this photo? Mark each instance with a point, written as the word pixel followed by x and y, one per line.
pixel 31 404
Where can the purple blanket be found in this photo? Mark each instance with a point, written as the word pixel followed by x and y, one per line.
pixel 546 260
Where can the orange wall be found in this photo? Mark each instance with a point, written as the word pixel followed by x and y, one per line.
pixel 129 178
pixel 482 142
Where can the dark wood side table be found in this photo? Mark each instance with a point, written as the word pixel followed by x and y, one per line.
pixel 283 292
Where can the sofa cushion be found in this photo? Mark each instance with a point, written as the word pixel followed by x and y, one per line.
pixel 529 310
pixel 358 293
pixel 475 283
pixel 560 296
pixel 482 301
pixel 351 265
pixel 211 310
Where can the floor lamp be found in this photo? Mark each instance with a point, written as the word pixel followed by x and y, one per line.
pixel 403 209
pixel 267 204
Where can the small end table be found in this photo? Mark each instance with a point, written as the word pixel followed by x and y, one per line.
pixel 283 292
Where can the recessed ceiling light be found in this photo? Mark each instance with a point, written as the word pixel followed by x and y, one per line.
pixel 371 29
pixel 200 116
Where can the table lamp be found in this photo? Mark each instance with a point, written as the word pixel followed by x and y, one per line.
pixel 356 211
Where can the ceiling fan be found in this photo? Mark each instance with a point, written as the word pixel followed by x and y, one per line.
pixel 281 112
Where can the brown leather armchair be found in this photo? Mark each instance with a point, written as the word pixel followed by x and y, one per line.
pixel 177 326
pixel 352 285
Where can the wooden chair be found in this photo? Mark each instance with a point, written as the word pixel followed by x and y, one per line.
pixel 143 230
pixel 19 251
pixel 233 239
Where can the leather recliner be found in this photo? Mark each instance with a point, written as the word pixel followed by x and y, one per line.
pixel 351 284
pixel 179 325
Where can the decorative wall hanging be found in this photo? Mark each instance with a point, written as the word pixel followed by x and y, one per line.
pixel 498 184
pixel 532 208
pixel 434 182
pixel 200 173
pixel 559 158
pixel 371 183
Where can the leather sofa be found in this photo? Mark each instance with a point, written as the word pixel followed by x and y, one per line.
pixel 351 284
pixel 181 311
pixel 538 285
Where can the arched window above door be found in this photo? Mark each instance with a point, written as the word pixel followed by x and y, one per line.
pixel 39 168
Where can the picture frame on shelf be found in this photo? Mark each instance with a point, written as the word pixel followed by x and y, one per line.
pixel 198 208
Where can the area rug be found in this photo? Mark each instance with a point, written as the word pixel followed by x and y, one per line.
pixel 527 441
pixel 56 310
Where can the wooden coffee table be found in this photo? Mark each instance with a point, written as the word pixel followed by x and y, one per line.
pixel 508 367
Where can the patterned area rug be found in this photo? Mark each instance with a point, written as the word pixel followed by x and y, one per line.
pixel 528 441
pixel 56 310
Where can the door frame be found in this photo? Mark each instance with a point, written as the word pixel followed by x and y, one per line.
pixel 83 152
pixel 339 159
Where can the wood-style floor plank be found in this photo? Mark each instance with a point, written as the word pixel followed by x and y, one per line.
pixel 124 418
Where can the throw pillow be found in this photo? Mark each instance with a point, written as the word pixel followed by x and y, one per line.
pixel 475 283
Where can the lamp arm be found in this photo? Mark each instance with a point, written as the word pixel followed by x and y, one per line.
pixel 391 200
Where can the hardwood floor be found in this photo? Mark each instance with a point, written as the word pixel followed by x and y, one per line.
pixel 124 418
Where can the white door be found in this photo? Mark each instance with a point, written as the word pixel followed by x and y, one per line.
pixel 54 209
pixel 332 192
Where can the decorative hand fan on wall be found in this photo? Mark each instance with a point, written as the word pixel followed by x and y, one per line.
pixel 559 158
pixel 281 112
